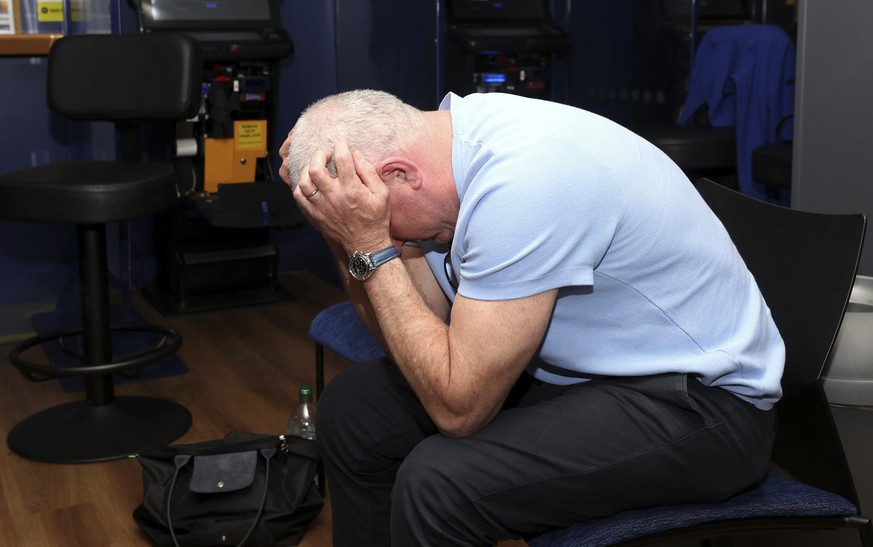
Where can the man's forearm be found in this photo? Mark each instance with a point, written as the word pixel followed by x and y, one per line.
pixel 356 293
pixel 462 370
pixel 419 342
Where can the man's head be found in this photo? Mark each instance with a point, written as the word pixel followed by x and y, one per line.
pixel 373 122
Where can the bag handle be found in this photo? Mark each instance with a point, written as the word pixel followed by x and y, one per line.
pixel 182 459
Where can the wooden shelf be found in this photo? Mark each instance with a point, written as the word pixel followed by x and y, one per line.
pixel 27 44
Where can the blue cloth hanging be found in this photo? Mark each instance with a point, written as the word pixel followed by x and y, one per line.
pixel 744 74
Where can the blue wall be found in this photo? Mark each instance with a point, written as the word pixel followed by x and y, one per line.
pixel 34 258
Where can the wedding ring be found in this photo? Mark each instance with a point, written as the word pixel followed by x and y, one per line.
pixel 309 195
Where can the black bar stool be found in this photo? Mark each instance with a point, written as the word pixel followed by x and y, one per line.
pixel 123 79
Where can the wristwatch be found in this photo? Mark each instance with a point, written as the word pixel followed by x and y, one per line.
pixel 362 265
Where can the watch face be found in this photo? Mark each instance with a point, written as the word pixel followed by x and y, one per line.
pixel 360 266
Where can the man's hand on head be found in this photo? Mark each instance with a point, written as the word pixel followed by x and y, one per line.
pixel 351 208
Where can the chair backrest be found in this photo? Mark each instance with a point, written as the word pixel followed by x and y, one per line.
pixel 805 265
pixel 116 77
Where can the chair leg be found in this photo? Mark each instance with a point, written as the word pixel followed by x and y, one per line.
pixel 94 288
pixel 319 385
pixel 866 533
pixel 319 370
pixel 102 427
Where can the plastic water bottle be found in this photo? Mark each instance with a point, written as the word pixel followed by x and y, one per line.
pixel 302 421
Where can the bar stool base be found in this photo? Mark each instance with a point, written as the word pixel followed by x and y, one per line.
pixel 81 433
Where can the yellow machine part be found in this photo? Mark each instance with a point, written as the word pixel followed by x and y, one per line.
pixel 233 161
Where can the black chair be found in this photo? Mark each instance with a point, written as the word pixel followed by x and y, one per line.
pixel 125 79
pixel 699 149
pixel 805 265
pixel 772 162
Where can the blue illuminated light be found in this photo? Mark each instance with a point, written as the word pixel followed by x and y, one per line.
pixel 494 78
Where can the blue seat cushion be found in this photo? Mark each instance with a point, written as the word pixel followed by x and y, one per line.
pixel 774 496
pixel 340 329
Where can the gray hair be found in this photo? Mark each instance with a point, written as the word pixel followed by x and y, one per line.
pixel 373 122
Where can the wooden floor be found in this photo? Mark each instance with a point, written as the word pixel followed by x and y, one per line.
pixel 245 367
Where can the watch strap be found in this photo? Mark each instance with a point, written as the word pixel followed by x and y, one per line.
pixel 381 257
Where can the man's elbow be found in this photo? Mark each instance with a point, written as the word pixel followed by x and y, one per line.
pixel 461 425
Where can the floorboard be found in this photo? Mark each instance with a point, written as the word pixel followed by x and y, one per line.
pixel 245 367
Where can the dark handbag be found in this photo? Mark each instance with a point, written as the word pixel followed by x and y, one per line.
pixel 245 489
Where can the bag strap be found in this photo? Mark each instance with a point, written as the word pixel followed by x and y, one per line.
pixel 182 459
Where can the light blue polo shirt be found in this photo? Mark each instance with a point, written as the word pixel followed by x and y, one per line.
pixel 648 281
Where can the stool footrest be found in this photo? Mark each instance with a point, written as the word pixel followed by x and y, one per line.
pixel 170 341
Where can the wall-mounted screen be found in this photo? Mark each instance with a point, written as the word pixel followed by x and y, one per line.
pixel 497 10
pixel 205 14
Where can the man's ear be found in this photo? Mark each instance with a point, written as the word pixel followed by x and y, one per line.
pixel 402 170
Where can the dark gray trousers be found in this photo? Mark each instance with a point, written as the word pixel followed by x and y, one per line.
pixel 555 455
